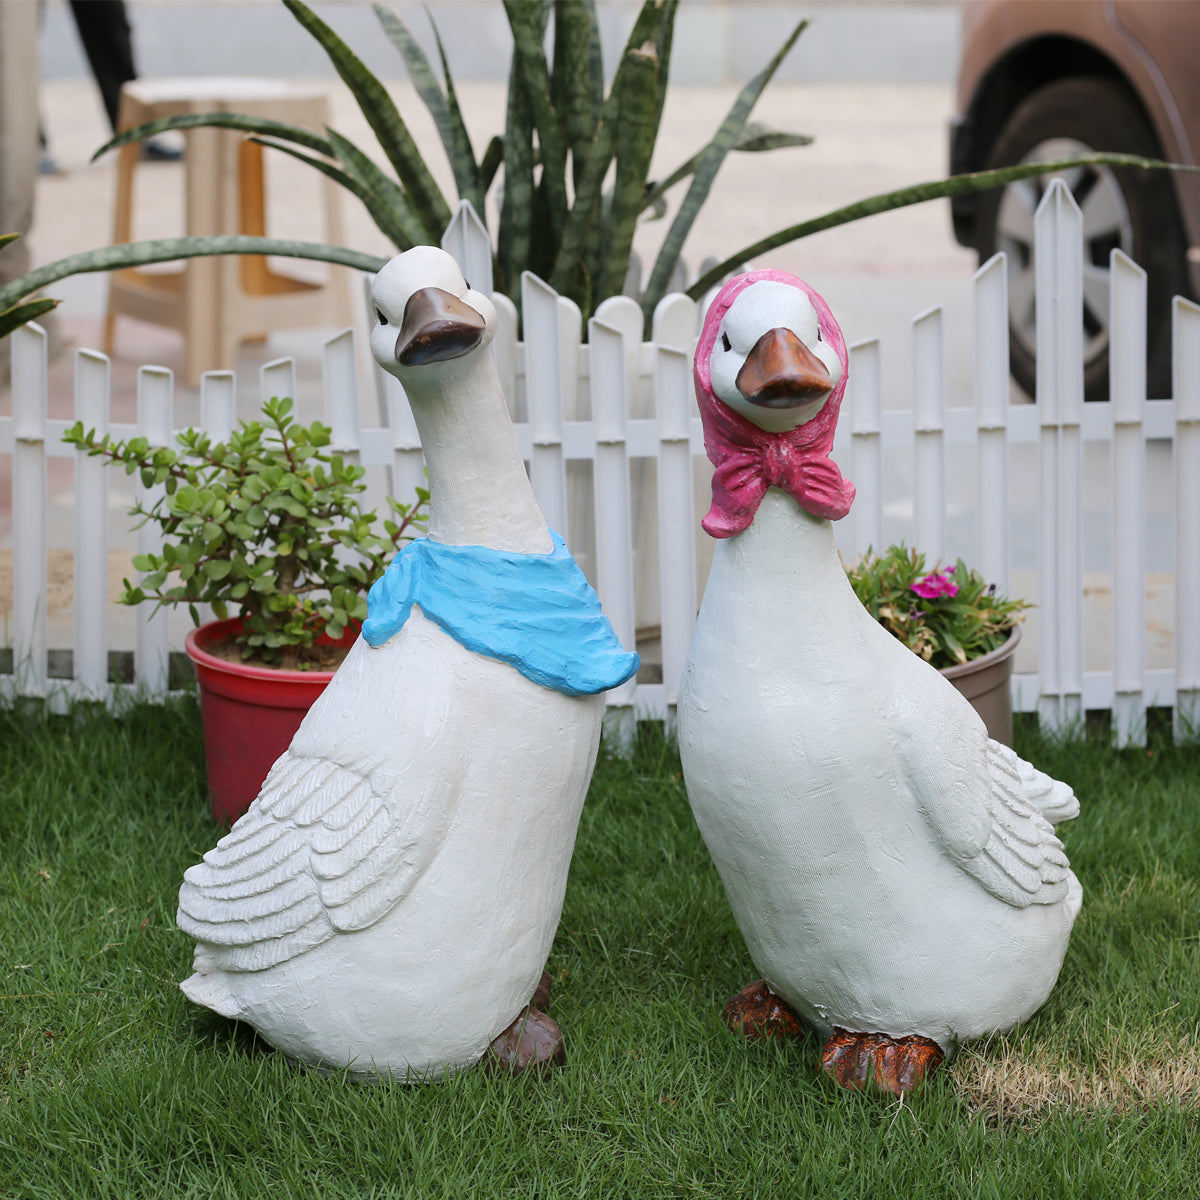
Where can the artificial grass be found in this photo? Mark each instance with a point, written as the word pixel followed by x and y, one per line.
pixel 113 1084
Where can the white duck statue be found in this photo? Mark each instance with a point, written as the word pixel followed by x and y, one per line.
pixel 387 904
pixel 894 871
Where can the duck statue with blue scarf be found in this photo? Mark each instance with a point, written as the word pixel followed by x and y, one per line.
pixel 893 870
pixel 387 904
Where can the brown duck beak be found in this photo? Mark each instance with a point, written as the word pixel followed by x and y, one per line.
pixel 437 327
pixel 782 372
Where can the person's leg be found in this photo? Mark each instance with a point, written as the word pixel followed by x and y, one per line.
pixel 104 31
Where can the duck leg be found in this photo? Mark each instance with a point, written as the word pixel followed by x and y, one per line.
pixel 533 1042
pixel 896 1065
pixel 757 1012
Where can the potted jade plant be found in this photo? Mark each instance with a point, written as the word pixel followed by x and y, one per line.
pixel 953 618
pixel 267 529
pixel 576 178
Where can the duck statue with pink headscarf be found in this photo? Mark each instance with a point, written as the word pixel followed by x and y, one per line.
pixel 894 872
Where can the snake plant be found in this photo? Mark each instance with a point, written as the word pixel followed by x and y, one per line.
pixel 563 139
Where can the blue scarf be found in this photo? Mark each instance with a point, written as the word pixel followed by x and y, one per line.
pixel 536 612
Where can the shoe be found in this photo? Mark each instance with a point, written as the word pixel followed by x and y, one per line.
pixel 156 151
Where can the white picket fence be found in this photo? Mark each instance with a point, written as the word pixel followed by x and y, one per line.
pixel 617 401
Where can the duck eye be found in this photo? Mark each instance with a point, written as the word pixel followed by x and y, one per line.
pixel 819 337
pixel 725 342
pixel 382 319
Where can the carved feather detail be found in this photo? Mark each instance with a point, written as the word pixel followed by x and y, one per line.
pixel 320 852
pixel 1020 860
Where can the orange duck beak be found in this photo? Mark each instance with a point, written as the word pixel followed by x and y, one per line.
pixel 782 372
pixel 436 328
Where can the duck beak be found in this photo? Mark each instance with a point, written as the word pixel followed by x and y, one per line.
pixel 782 372
pixel 437 327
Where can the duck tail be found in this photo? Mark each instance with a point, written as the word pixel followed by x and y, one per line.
pixel 209 986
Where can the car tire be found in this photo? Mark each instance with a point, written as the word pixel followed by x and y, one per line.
pixel 1132 210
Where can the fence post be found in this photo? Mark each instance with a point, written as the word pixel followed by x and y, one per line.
pixel 155 386
pixel 92 394
pixel 929 423
pixel 1058 241
pixel 1127 390
pixel 504 351
pixel 339 380
pixel 866 460
pixel 277 378
pixel 580 522
pixel 1186 342
pixel 614 547
pixel 991 376
pixel 466 240
pixel 676 519
pixel 218 404
pixel 29 381
pixel 547 466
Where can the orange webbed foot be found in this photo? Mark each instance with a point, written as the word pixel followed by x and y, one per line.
pixel 757 1012
pixel 896 1065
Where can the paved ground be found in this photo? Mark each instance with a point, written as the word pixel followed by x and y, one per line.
pixel 876 274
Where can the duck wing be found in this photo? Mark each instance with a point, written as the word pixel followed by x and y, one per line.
pixel 991 813
pixel 326 848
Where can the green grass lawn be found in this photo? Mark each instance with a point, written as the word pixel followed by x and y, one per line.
pixel 113 1084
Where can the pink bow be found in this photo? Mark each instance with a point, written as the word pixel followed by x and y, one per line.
pixel 748 460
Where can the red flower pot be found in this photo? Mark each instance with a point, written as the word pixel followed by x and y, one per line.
pixel 251 713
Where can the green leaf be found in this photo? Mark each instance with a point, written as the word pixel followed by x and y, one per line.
pixel 138 254
pixel 385 121
pixel 218 568
pixel 493 156
pixel 754 138
pixel 918 193
pixel 385 200
pixel 639 129
pixel 581 224
pixel 443 107
pixel 516 203
pixel 22 314
pixel 219 120
pixel 665 40
pixel 711 159
pixel 534 78
pixel 578 80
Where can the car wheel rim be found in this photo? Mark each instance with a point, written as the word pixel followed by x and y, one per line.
pixel 1106 226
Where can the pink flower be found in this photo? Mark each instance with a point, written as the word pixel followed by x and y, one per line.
pixel 935 584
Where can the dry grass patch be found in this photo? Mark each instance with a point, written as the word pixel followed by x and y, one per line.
pixel 1008 1080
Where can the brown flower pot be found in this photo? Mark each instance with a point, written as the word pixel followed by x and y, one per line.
pixel 250 713
pixel 987 683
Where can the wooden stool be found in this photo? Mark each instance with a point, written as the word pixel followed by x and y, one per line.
pixel 221 301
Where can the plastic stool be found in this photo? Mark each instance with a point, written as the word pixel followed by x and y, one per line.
pixel 218 302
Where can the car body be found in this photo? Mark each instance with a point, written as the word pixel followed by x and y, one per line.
pixel 1042 77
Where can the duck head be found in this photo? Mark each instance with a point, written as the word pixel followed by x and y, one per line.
pixel 771 361
pixel 426 314
pixel 770 372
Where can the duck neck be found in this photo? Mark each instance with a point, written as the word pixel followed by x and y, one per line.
pixel 479 492
pixel 785 567
pixel 789 542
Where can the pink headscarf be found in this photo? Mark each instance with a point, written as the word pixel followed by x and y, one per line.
pixel 748 459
